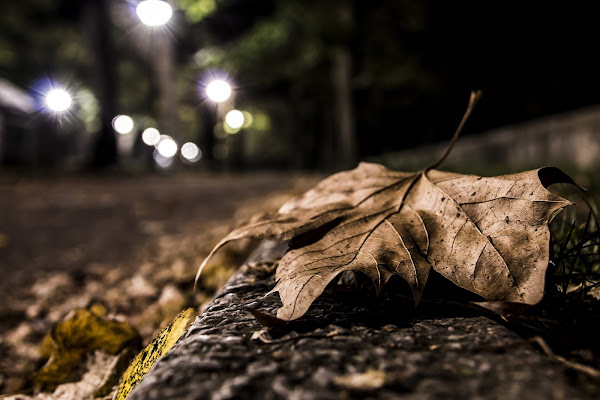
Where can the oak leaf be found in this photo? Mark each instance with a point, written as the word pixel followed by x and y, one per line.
pixel 487 235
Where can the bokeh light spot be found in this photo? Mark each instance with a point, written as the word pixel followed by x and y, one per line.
pixel 162 161
pixel 191 152
pixel 218 90
pixel 166 146
pixel 248 119
pixel 261 121
pixel 123 124
pixel 151 136
pixel 235 119
pixel 219 131
pixel 58 100
pixel 154 12
pixel 227 129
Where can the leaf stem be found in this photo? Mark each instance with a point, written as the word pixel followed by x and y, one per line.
pixel 475 96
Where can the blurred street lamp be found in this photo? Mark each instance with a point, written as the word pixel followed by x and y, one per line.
pixel 248 119
pixel 123 124
pixel 235 119
pixel 166 146
pixel 151 136
pixel 154 12
pixel 213 86
pixel 218 90
pixel 191 152
pixel 58 100
pixel 162 161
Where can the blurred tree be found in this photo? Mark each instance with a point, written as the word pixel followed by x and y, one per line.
pixel 330 82
pixel 83 45
pixel 335 64
pixel 31 41
pixel 40 42
pixel 68 41
pixel 96 17
pixel 280 54
pixel 397 63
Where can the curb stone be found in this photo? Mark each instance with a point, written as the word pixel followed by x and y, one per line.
pixel 347 346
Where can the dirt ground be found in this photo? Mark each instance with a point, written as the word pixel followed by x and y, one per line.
pixel 132 242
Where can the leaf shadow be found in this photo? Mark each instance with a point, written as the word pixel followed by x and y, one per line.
pixel 346 305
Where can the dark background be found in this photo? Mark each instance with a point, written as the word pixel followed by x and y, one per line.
pixel 411 67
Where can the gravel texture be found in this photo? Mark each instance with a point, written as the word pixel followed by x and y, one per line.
pixel 351 344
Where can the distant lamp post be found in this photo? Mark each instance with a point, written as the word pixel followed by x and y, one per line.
pixel 218 90
pixel 154 12
pixel 58 100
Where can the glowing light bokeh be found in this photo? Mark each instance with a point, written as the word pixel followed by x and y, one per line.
pixel 219 131
pixel 123 124
pixel 58 100
pixel 248 119
pixel 151 136
pixel 162 161
pixel 154 12
pixel 218 90
pixel 191 152
pixel 166 146
pixel 235 119
pixel 228 130
pixel 261 121
pixel 88 109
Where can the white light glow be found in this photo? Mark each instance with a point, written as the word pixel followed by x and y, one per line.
pixel 166 146
pixel 235 119
pixel 58 100
pixel 151 136
pixel 123 124
pixel 154 12
pixel 190 152
pixel 248 119
pixel 162 161
pixel 218 91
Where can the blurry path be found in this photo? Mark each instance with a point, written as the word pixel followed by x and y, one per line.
pixel 133 243
pixel 68 223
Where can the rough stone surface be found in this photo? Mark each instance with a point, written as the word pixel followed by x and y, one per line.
pixel 349 345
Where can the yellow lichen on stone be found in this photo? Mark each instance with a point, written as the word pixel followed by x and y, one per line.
pixel 159 346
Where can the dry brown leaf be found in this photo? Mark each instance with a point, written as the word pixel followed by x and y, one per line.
pixel 81 333
pixel 487 235
pixel 371 379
